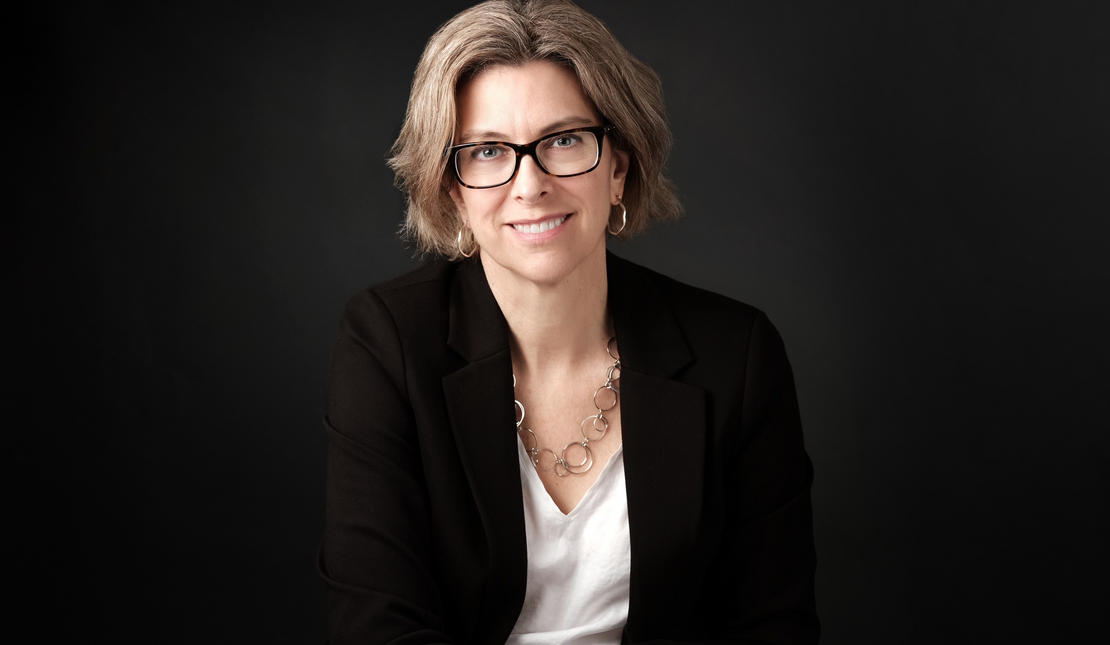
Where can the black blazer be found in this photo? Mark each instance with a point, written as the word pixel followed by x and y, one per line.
pixel 424 538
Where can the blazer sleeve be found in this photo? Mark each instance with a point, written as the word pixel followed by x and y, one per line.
pixel 376 553
pixel 760 587
pixel 764 579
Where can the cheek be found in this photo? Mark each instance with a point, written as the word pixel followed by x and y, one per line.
pixel 480 206
pixel 601 190
pixel 474 205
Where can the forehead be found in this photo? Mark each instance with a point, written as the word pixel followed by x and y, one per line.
pixel 521 102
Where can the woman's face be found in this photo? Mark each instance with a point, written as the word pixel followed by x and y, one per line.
pixel 519 105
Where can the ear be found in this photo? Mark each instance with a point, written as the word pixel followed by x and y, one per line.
pixel 619 162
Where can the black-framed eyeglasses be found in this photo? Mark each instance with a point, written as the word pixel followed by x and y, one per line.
pixel 489 164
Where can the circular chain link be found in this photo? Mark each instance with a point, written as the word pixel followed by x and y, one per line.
pixel 546 459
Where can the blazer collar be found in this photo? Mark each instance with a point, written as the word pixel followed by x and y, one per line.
pixel 477 329
pixel 479 398
pixel 664 429
pixel 649 337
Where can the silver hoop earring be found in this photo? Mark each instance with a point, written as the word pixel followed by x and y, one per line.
pixel 458 243
pixel 624 221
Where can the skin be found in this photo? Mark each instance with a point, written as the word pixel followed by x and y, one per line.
pixel 551 286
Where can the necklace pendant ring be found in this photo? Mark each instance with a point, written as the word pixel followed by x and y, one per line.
pixel 585 464
pixel 608 401
pixel 596 430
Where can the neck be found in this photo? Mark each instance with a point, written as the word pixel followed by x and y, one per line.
pixel 554 326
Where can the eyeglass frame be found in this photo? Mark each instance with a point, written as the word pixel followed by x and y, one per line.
pixel 599 132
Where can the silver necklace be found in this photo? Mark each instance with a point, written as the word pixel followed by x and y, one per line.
pixel 581 455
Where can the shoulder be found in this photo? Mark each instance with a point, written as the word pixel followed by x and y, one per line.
pixel 382 328
pixel 402 302
pixel 703 316
pixel 422 287
pixel 695 301
pixel 697 336
pixel 385 325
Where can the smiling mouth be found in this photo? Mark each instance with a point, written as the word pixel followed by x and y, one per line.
pixel 542 227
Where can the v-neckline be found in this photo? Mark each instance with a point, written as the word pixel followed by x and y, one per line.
pixel 533 479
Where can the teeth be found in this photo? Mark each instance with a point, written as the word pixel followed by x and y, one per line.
pixel 542 227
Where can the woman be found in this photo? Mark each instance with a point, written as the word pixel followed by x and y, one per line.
pixel 653 485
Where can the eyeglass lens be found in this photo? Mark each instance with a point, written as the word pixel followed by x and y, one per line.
pixel 569 153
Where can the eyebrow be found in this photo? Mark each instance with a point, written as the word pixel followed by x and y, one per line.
pixel 472 136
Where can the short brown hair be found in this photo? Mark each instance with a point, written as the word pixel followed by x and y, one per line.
pixel 626 92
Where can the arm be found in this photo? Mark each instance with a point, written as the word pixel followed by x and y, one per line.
pixel 376 549
pixel 766 566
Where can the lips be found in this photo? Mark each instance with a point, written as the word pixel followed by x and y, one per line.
pixel 540 227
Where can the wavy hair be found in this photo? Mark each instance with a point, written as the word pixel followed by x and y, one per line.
pixel 623 90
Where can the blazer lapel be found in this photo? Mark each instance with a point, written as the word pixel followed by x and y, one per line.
pixel 479 400
pixel 663 425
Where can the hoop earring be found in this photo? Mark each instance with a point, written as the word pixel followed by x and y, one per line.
pixel 624 221
pixel 458 243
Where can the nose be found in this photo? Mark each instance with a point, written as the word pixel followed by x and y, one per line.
pixel 531 183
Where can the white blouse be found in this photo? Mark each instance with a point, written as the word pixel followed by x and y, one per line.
pixel 578 563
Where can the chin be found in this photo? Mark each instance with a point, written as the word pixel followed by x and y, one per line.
pixel 548 267
pixel 546 271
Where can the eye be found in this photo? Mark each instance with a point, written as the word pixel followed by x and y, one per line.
pixel 565 140
pixel 486 153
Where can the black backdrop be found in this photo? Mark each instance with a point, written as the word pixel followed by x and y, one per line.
pixel 916 193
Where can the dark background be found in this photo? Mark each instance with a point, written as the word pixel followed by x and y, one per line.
pixel 916 193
